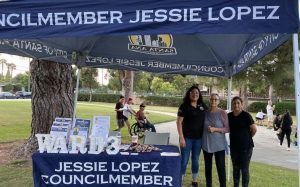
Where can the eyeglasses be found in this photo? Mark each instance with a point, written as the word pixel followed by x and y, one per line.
pixel 214 99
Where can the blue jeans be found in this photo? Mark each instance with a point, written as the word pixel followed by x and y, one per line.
pixel 194 146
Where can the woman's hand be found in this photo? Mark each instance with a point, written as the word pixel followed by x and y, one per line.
pixel 211 129
pixel 182 142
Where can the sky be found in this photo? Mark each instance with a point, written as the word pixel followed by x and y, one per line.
pixel 22 63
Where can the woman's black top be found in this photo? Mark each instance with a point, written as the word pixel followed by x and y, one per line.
pixel 286 122
pixel 193 120
pixel 240 135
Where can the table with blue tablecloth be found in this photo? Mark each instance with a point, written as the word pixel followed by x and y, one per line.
pixel 143 169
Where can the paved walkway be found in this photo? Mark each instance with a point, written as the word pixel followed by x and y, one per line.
pixel 266 150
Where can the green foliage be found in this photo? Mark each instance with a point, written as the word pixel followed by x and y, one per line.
pixel 8 88
pixel 114 81
pixel 88 77
pixel 22 80
pixel 109 98
pixel 257 106
pixel 142 82
pixel 163 101
pixel 280 107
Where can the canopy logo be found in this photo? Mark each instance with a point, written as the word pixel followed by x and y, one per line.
pixel 152 44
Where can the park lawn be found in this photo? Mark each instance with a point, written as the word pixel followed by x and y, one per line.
pixel 15 121
pixel 15 118
pixel 261 175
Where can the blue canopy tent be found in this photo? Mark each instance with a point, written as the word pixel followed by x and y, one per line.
pixel 208 38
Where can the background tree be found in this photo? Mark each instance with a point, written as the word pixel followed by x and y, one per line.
pixel 114 80
pixel 126 78
pixel 22 79
pixel 8 75
pixel 88 79
pixel 52 96
pixel 142 82
pixel 275 72
pixel 2 62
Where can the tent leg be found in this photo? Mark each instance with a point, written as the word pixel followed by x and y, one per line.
pixel 76 95
pixel 227 135
pixel 229 93
pixel 297 92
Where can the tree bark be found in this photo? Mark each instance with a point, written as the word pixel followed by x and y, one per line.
pixel 270 92
pixel 52 96
pixel 244 96
pixel 126 77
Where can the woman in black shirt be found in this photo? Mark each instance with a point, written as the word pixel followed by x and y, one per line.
pixel 190 122
pixel 286 128
pixel 242 129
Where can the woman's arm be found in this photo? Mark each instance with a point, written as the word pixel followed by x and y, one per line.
pixel 180 132
pixel 253 129
pixel 224 119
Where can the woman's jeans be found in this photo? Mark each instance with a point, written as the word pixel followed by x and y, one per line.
pixel 240 162
pixel 220 164
pixel 194 146
pixel 286 132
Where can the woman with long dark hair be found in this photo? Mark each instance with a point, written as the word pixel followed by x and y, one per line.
pixel 190 121
pixel 286 128
pixel 242 129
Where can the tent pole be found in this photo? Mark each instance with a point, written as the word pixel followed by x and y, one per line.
pixel 76 95
pixel 229 93
pixel 297 92
pixel 227 135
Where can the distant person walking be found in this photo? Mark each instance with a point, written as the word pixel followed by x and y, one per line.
pixel 270 110
pixel 242 129
pixel 286 128
pixel 190 122
pixel 119 112
pixel 214 141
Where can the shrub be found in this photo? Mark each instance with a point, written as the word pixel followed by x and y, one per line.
pixel 280 107
pixel 108 98
pixel 163 101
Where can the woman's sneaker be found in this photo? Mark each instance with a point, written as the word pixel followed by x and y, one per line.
pixel 194 184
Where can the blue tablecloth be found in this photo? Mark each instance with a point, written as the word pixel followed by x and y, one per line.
pixel 104 170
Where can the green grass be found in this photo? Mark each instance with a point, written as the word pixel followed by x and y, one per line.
pixel 261 175
pixel 15 118
pixel 14 175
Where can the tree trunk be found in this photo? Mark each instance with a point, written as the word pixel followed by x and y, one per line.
pixel 126 77
pixel 270 92
pixel 52 96
pixel 91 95
pixel 244 96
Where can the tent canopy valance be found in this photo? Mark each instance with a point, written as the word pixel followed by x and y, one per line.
pixel 29 19
pixel 209 38
pixel 206 55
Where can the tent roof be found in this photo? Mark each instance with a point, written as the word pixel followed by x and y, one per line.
pixel 213 38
